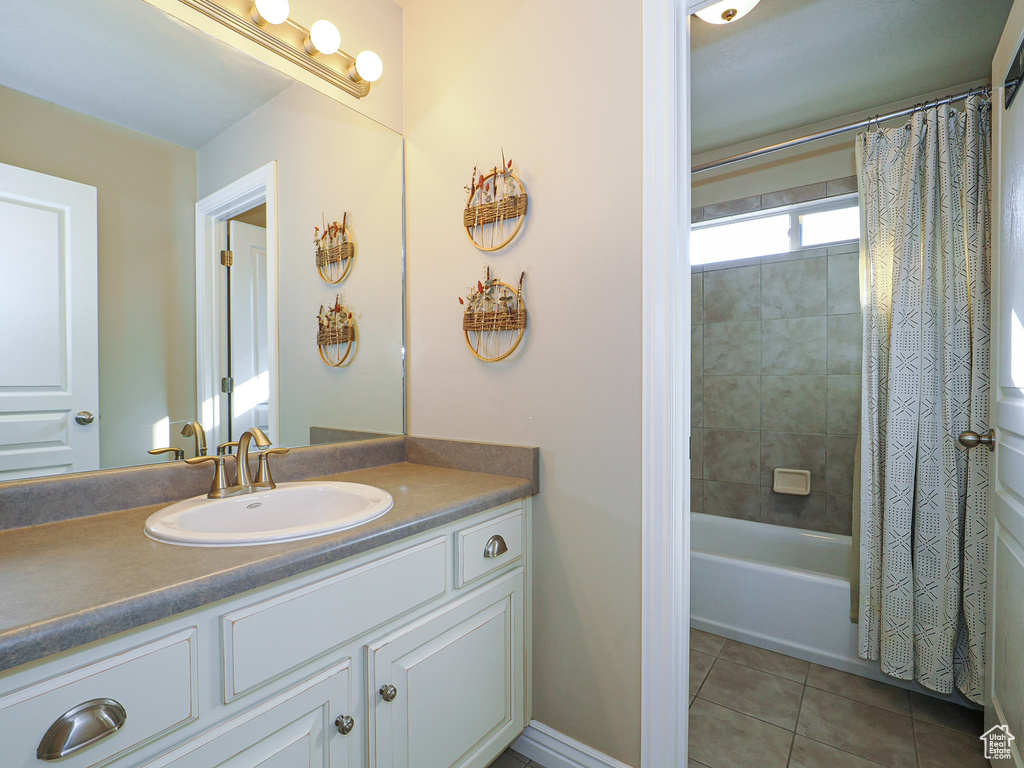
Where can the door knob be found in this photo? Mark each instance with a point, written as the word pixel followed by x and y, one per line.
pixel 973 439
pixel 345 724
pixel 83 417
pixel 388 692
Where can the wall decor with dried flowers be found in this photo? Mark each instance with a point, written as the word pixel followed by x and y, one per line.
pixel 494 320
pixel 496 206
pixel 335 250
pixel 336 334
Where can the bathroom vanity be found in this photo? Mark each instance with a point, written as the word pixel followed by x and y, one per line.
pixel 402 642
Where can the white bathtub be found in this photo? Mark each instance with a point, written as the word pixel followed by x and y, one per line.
pixel 779 588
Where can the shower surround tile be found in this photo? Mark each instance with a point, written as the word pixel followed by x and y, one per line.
pixel 732 402
pixel 732 456
pixel 732 295
pixel 790 450
pixel 733 349
pixel 844 344
pixel 841 454
pixel 794 346
pixel 794 289
pixel 805 512
pixel 843 405
pixel 696 453
pixel 843 283
pixel 732 500
pixel 696 298
pixel 794 403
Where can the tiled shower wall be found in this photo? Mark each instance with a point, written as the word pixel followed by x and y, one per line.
pixel 776 383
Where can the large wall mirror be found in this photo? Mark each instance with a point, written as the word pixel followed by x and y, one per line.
pixel 134 150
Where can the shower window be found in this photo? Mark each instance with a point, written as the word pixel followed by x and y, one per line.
pixel 777 230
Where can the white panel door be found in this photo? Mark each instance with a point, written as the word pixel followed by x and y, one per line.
pixel 250 332
pixel 458 684
pixel 1005 699
pixel 48 333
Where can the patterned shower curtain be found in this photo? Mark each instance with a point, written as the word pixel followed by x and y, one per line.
pixel 926 290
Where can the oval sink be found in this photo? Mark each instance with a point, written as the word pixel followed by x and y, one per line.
pixel 289 512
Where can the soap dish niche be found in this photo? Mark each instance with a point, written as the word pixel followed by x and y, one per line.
pixel 792 482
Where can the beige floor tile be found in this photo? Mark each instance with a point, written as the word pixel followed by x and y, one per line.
pixel 705 642
pixel 812 754
pixel 700 663
pixel 871 732
pixel 766 661
pixel 721 738
pixel 509 759
pixel 943 748
pixel 929 709
pixel 859 688
pixel 771 698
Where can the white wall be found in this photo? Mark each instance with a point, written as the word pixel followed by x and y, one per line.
pixel 330 160
pixel 557 85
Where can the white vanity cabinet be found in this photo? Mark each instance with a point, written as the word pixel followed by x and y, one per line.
pixel 300 673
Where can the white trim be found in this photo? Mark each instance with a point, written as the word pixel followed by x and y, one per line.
pixel 556 750
pixel 211 214
pixel 666 386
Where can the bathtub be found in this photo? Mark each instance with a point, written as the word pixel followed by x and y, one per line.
pixel 779 588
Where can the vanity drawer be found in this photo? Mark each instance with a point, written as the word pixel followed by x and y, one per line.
pixel 490 546
pixel 266 640
pixel 156 684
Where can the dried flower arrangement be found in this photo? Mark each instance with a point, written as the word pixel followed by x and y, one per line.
pixel 497 200
pixel 336 333
pixel 334 250
pixel 494 319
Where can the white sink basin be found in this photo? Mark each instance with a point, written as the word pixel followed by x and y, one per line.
pixel 289 512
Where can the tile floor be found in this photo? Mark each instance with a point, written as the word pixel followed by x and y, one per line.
pixel 752 708
pixel 512 759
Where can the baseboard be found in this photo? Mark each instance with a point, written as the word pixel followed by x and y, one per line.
pixel 556 750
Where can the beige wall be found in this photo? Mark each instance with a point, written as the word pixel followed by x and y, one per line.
pixel 533 77
pixel 329 160
pixel 824 160
pixel 146 203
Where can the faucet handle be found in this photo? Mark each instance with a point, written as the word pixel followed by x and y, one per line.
pixel 263 478
pixel 224 449
pixel 220 478
pixel 178 453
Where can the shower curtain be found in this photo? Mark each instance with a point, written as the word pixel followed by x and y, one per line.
pixel 925 294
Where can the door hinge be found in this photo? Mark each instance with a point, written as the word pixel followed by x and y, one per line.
pixel 227 385
pixel 227 258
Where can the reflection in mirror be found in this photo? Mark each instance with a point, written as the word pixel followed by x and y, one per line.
pixel 121 330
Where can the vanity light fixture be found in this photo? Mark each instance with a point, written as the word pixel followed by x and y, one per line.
pixel 368 67
pixel 315 50
pixel 265 12
pixel 323 37
pixel 726 11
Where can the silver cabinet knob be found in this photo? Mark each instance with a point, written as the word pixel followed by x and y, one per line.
pixel 495 546
pixel 345 724
pixel 388 692
pixel 83 417
pixel 81 726
pixel 973 439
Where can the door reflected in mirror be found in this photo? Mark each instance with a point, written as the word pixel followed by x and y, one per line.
pixel 176 118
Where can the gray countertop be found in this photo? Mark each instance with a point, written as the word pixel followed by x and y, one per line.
pixel 68 583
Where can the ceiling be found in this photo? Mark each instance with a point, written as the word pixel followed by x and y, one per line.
pixel 792 63
pixel 127 62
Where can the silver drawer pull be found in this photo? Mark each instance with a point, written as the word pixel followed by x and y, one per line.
pixel 495 546
pixel 388 692
pixel 81 726
pixel 345 724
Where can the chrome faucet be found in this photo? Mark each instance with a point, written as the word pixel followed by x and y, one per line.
pixel 195 429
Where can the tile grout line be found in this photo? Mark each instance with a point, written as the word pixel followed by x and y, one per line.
pixel 799 711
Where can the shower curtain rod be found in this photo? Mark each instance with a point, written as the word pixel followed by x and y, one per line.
pixel 985 89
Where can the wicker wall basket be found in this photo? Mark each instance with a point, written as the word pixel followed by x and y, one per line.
pixel 494 223
pixel 336 335
pixel 334 258
pixel 494 334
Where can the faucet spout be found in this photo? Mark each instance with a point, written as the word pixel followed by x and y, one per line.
pixel 195 429
pixel 243 475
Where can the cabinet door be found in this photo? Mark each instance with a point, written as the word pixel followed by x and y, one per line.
pixel 458 683
pixel 294 730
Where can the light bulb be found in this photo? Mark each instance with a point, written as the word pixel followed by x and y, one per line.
pixel 726 11
pixel 270 12
pixel 325 37
pixel 369 67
